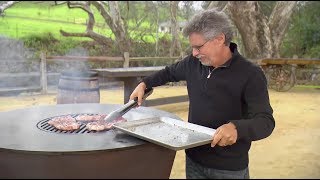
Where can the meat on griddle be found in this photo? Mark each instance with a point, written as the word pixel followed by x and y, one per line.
pixel 68 123
pixel 103 125
pixel 88 117
pixel 98 126
pixel 65 123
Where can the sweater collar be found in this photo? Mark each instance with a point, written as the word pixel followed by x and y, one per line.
pixel 234 50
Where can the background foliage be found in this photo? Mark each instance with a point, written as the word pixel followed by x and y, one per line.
pixel 38 25
pixel 303 36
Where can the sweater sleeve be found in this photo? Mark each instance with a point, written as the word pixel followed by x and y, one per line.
pixel 259 122
pixel 173 73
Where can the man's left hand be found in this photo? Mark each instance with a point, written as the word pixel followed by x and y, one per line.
pixel 225 135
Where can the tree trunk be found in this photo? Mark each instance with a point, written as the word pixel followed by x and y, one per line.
pixel 261 35
pixel 252 25
pixel 278 23
pixel 174 30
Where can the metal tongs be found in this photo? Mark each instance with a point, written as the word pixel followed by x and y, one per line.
pixel 128 106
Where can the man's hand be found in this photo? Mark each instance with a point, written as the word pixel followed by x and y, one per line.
pixel 138 92
pixel 225 135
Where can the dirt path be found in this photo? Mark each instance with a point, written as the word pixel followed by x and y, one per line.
pixel 292 151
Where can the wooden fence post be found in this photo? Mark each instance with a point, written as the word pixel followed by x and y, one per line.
pixel 126 59
pixel 43 71
pixel 294 66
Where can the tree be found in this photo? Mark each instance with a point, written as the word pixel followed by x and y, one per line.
pixel 261 35
pixel 187 9
pixel 219 5
pixel 303 36
pixel 174 29
pixel 112 17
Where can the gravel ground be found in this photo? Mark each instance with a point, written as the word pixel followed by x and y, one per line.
pixel 292 151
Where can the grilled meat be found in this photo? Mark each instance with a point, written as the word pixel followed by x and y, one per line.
pixel 102 125
pixel 87 117
pixel 66 123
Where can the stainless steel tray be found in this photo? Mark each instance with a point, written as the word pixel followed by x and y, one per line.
pixel 168 132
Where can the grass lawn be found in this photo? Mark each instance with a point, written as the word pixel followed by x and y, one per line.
pixel 26 18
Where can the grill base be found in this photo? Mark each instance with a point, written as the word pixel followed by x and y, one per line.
pixel 140 162
pixel 27 152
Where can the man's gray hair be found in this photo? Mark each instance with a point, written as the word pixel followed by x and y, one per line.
pixel 210 23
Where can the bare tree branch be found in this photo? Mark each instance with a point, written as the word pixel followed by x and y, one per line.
pixel 86 7
pixel 64 33
pixel 91 22
pixel 115 22
pixel 105 14
pixel 78 4
pixel 112 18
pixel 59 2
pixel 95 36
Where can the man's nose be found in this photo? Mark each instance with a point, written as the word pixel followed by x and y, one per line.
pixel 195 52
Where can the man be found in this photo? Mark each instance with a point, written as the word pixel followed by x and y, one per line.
pixel 226 92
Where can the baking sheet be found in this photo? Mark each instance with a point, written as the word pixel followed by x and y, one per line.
pixel 168 132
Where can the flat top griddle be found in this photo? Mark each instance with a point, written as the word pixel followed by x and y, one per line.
pixel 19 131
pixel 168 132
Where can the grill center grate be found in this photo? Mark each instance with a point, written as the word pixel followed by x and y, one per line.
pixel 44 126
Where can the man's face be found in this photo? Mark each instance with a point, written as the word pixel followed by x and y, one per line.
pixel 205 50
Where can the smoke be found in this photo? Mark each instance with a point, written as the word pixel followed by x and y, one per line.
pixel 13 50
pixel 15 58
pixel 20 66
pixel 76 65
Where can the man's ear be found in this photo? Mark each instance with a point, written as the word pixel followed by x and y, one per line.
pixel 221 39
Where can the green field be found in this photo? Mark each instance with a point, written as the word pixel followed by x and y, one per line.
pixel 39 18
pixel 27 18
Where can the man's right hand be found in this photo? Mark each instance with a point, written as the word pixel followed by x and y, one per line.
pixel 138 92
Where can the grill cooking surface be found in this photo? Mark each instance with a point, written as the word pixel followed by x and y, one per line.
pixel 43 125
pixel 27 130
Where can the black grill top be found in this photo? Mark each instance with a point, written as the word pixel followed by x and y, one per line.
pixel 19 131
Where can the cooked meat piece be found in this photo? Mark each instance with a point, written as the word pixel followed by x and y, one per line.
pixel 66 123
pixel 60 119
pixel 67 126
pixel 102 125
pixel 98 126
pixel 87 117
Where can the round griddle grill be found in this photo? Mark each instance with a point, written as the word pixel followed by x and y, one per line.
pixel 26 150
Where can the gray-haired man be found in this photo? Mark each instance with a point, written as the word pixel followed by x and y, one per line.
pixel 226 92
